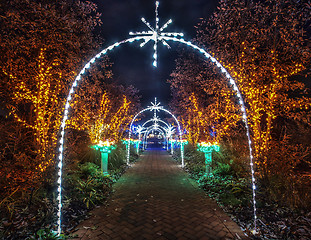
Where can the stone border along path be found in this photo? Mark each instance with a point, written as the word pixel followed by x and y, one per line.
pixel 155 199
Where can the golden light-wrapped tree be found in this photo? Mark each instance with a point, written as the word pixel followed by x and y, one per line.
pixel 204 103
pixel 42 46
pixel 105 120
pixel 101 108
pixel 40 96
pixel 263 45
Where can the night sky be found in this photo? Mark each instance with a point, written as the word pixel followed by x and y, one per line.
pixel 132 64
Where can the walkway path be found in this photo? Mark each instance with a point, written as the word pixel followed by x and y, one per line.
pixel 155 199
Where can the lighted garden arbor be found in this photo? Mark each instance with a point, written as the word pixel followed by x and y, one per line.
pixel 155 127
pixel 156 122
pixel 150 130
pixel 156 107
pixel 168 128
pixel 157 35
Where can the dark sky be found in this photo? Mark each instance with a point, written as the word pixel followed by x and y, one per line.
pixel 132 64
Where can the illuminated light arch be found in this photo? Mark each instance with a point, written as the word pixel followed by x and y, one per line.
pixel 156 108
pixel 169 129
pixel 158 127
pixel 157 35
pixel 154 128
pixel 159 120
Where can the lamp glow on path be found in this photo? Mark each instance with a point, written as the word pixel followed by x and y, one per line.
pixel 208 148
pixel 157 35
pixel 105 148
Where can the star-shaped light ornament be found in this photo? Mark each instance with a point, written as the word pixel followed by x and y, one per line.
pixel 170 131
pixel 139 129
pixel 156 34
pixel 156 107
pixel 155 119
pixel 155 125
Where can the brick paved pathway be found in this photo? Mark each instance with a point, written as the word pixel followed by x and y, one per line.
pixel 155 199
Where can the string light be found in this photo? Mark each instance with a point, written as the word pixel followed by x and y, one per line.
pixel 169 129
pixel 157 36
pixel 156 120
pixel 104 146
pixel 208 146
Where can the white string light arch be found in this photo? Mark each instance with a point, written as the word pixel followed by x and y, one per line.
pixel 156 107
pixel 157 35
pixel 168 129
pixel 159 120
pixel 153 128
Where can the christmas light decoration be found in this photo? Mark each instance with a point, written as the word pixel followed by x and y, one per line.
pixel 42 94
pixel 207 148
pixel 172 142
pixel 156 107
pixel 152 128
pixel 139 130
pixel 168 129
pixel 105 148
pixel 169 132
pixel 155 35
pixel 155 120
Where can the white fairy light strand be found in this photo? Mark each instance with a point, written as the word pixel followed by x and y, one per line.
pixel 65 117
pixel 146 37
pixel 158 120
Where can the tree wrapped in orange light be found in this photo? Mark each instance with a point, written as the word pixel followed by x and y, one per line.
pixel 263 45
pixel 39 96
pixel 41 47
pixel 263 52
pixel 101 108
pixel 120 119
pixel 203 103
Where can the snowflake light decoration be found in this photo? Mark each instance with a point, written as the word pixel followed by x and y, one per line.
pixel 156 34
pixel 156 107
